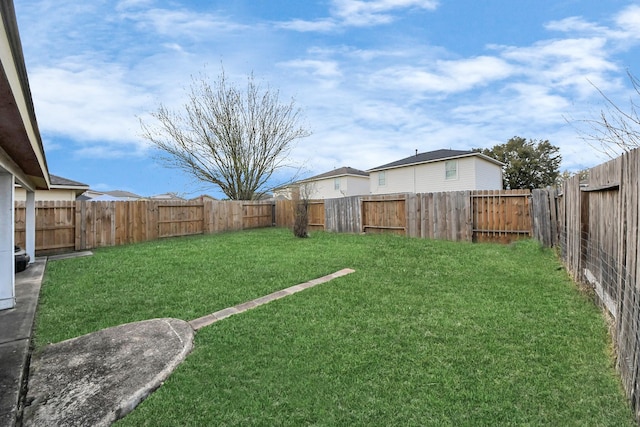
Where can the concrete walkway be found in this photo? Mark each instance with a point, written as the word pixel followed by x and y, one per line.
pixel 15 338
pixel 240 308
pixel 100 377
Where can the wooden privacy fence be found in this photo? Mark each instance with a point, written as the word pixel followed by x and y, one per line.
pixel 55 225
pixel 67 226
pixel 478 216
pixel 285 213
pixel 600 246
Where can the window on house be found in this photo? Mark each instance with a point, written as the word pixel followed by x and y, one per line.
pixel 451 169
pixel 336 184
pixel 382 179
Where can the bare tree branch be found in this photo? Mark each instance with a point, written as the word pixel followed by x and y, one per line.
pixel 234 139
pixel 614 130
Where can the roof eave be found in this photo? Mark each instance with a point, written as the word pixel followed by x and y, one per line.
pixel 329 177
pixel 441 159
pixel 20 138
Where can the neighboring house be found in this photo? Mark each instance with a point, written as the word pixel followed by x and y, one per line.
pixel 61 189
pixel 89 194
pixel 123 195
pixel 341 182
pixel 22 157
pixel 203 198
pixel 435 171
pixel 286 192
pixel 108 196
pixel 166 196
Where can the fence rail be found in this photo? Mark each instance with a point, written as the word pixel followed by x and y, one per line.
pixel 68 226
pixel 478 216
pixel 599 244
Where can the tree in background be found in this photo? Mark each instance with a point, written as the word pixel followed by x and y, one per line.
pixel 583 174
pixel 235 139
pixel 528 164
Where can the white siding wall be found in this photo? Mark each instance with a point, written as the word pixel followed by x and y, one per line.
pixel 431 178
pixel 324 189
pixel 399 180
pixel 47 195
pixel 349 186
pixel 488 176
pixel 357 186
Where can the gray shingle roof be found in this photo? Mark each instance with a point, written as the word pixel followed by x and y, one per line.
pixel 432 156
pixel 122 194
pixel 58 180
pixel 346 170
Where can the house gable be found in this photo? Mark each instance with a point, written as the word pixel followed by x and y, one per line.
pixel 340 182
pixel 440 170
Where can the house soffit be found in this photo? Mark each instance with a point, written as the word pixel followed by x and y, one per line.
pixel 19 135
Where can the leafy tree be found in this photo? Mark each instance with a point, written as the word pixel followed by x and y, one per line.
pixel 528 164
pixel 583 174
pixel 235 139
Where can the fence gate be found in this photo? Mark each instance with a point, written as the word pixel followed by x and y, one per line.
pixel 501 217
pixel 316 215
pixel 384 214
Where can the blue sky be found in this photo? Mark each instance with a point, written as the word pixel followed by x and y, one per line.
pixel 376 79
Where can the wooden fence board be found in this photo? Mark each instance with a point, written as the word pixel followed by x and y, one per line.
pixel 343 215
pixel 444 215
pixel 81 225
pixel 384 214
pixel 598 223
pixel 503 215
pixel 316 212
pixel 285 213
pixel 257 215
pixel 451 216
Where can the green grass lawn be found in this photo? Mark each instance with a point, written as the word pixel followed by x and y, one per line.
pixel 423 333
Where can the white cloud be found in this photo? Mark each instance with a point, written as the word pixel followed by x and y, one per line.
pixel 182 23
pixel 321 25
pixel 565 64
pixel 576 24
pixel 445 76
pixel 323 69
pixel 358 13
pixel 123 5
pixel 88 105
pixel 365 13
pixel 621 35
pixel 629 20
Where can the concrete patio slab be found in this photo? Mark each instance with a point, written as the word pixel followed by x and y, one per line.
pixel 98 378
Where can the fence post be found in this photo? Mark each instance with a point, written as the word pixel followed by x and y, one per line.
pixel 80 226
